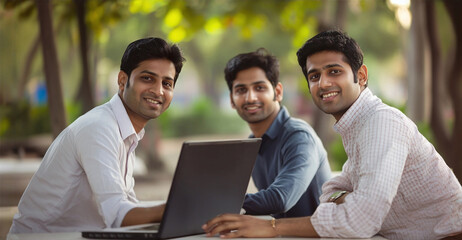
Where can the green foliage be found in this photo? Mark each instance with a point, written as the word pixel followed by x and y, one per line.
pixel 337 154
pixel 203 117
pixel 426 130
pixel 401 107
pixel 20 120
pixel 73 111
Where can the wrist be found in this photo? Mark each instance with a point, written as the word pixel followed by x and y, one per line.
pixel 274 226
pixel 336 195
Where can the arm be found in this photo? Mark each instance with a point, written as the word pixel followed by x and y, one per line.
pixel 140 215
pixel 300 161
pixel 99 157
pixel 337 183
pixel 233 226
pixel 381 152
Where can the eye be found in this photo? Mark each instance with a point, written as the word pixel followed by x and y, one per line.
pixel 146 78
pixel 240 90
pixel 260 88
pixel 335 71
pixel 168 84
pixel 313 77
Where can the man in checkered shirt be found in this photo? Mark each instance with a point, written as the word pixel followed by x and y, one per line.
pixel 394 183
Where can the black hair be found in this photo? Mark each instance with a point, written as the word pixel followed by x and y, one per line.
pixel 336 41
pixel 151 48
pixel 260 58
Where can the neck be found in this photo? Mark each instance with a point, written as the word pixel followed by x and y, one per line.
pixel 137 125
pixel 137 121
pixel 339 115
pixel 259 128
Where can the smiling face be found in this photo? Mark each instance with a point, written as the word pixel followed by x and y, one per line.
pixel 254 98
pixel 331 82
pixel 148 92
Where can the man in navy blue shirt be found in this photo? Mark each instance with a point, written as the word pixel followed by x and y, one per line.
pixel 292 163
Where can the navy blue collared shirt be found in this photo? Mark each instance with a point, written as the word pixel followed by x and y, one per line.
pixel 289 171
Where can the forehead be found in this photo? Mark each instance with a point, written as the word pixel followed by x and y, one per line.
pixel 325 58
pixel 253 75
pixel 162 67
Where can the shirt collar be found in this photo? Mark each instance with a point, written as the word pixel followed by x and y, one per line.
pixel 276 127
pixel 361 108
pixel 123 120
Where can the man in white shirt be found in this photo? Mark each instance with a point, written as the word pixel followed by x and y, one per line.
pixel 85 180
pixel 394 183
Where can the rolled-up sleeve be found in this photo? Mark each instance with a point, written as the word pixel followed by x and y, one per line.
pixel 337 183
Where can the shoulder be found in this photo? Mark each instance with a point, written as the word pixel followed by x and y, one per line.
pixel 297 131
pixel 295 125
pixel 385 114
pixel 98 121
pixel 388 119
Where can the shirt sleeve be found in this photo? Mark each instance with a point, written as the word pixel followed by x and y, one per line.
pixel 337 183
pixel 381 152
pixel 98 155
pixel 300 161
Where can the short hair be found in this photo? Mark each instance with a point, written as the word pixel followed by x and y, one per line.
pixel 151 48
pixel 260 58
pixel 336 41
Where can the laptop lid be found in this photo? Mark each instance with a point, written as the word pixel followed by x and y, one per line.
pixel 211 178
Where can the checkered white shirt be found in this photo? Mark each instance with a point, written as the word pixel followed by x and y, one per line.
pixel 401 188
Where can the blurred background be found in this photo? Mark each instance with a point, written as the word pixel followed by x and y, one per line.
pixel 60 58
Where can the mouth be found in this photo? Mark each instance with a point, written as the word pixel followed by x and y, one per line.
pixel 329 95
pixel 252 108
pixel 153 101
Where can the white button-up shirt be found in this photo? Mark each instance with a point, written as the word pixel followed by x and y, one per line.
pixel 400 186
pixel 85 180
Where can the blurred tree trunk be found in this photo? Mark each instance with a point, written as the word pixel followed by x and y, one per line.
pixel 341 14
pixel 28 66
pixel 31 54
pixel 418 60
pixel 85 93
pixel 454 87
pixel 206 76
pixel 51 67
pixel 438 79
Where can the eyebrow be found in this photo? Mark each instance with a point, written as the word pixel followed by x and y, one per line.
pixel 325 67
pixel 254 83
pixel 156 75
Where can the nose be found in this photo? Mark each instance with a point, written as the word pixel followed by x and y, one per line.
pixel 157 88
pixel 324 82
pixel 251 96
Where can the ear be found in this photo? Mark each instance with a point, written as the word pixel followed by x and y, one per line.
pixel 362 75
pixel 233 105
pixel 122 79
pixel 279 92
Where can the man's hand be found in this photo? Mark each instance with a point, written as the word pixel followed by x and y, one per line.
pixel 235 225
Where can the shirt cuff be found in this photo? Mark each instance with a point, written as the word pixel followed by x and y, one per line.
pixel 125 207
pixel 322 220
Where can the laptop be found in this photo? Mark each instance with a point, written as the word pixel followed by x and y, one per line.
pixel 211 178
